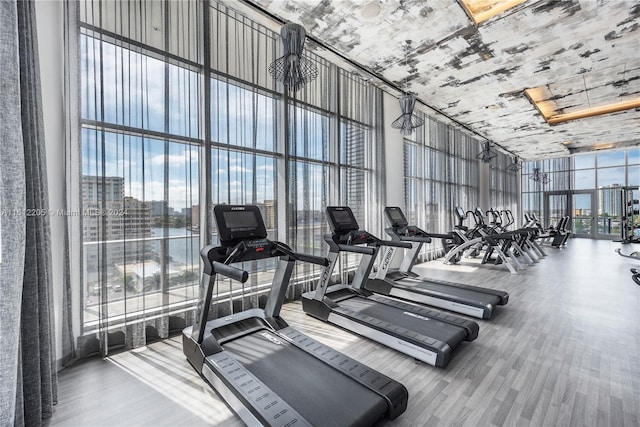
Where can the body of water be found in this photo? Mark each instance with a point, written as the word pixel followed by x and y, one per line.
pixel 183 251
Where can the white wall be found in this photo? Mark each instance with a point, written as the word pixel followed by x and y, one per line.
pixel 484 191
pixel 394 163
pixel 394 153
pixel 49 16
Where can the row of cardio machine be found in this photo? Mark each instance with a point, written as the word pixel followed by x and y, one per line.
pixel 555 235
pixel 497 245
pixel 271 374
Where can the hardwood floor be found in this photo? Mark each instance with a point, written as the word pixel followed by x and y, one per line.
pixel 564 351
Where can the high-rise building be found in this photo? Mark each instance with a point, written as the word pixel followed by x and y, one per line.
pixel 268 208
pixel 609 200
pixel 108 216
pixel 195 217
pixel 157 207
pixel 137 218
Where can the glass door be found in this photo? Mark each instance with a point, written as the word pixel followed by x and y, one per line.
pixel 609 212
pixel 556 206
pixel 582 214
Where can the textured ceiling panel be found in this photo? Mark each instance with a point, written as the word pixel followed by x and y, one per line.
pixel 477 74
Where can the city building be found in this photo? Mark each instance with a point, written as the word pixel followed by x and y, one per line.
pixel 609 200
pixel 108 218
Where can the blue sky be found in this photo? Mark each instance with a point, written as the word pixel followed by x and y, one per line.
pixel 134 96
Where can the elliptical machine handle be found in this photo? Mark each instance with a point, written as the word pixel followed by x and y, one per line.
pixel 229 271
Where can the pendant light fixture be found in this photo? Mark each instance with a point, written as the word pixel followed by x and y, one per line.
pixel 515 166
pixel 293 69
pixel 408 121
pixel 540 177
pixel 487 154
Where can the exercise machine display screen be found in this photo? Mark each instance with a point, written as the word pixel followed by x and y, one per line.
pixel 239 222
pixel 341 219
pixel 396 217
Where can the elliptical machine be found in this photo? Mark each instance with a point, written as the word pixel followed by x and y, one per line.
pixel 634 271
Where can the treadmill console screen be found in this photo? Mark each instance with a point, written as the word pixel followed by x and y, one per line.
pixel 341 219
pixel 240 220
pixel 236 222
pixel 459 212
pixel 395 217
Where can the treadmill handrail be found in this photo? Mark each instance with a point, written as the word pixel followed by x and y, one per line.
pixel 394 243
pixel 421 235
pixel 302 257
pixel 230 271
pixel 378 242
pixel 366 250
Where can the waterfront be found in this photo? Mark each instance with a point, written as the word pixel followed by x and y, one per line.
pixel 183 251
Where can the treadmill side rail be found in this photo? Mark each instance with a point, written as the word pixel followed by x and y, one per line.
pixel 471 327
pixel 431 351
pixel 252 400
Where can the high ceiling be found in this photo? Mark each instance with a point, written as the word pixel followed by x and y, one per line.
pixel 575 55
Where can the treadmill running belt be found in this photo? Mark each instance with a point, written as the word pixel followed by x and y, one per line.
pixel 321 394
pixel 447 333
pixel 479 298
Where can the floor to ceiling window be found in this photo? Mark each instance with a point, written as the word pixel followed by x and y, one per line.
pixel 178 113
pixel 586 187
pixel 140 78
pixel 503 193
pixel 441 172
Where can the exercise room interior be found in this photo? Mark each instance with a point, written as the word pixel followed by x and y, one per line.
pixel 342 212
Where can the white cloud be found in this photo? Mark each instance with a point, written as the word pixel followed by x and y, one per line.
pixel 239 169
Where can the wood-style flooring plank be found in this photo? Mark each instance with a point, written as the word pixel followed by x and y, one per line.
pixel 565 351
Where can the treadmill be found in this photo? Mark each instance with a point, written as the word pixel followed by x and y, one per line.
pixel 404 284
pixel 267 372
pixel 427 335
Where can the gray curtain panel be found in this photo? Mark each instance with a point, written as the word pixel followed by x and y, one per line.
pixel 29 347
pixel 12 196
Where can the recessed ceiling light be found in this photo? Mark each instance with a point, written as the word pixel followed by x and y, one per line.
pixel 370 10
pixel 482 10
pixel 540 97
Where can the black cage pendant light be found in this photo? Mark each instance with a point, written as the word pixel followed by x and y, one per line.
pixel 293 69
pixel 515 166
pixel 487 154
pixel 408 121
pixel 540 177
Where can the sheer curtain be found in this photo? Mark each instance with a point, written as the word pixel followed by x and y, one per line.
pixel 178 113
pixel 533 191
pixel 141 69
pixel 333 136
pixel 441 172
pixel 27 359
pixel 245 145
pixel 504 184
